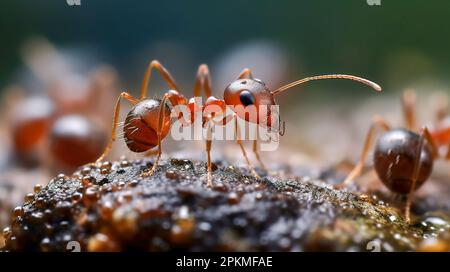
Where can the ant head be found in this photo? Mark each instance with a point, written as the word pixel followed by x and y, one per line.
pixel 252 96
pixel 248 92
pixel 252 101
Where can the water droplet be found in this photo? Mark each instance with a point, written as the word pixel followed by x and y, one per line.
pixel 204 226
pixel 183 213
pixel 86 170
pixel 61 176
pixel 18 211
pixel 124 163
pixel 37 188
pixel 29 197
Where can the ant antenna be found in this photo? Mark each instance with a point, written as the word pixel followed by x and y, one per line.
pixel 369 83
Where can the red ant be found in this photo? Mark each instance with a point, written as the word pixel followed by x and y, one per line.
pixel 396 157
pixel 51 126
pixel 148 122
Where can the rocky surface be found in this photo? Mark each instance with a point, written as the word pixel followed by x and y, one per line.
pixel 112 208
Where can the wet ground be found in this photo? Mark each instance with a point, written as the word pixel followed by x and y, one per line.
pixel 111 208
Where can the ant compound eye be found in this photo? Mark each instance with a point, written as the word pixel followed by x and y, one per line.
pixel 247 98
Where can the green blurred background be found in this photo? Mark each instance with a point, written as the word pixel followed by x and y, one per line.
pixel 396 44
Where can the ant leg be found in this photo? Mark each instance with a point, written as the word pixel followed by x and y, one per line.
pixel 409 105
pixel 163 71
pixel 244 153
pixel 415 175
pixel 203 80
pixel 256 152
pixel 377 122
pixel 151 152
pixel 209 165
pixel 440 103
pixel 447 156
pixel 429 138
pixel 246 73
pixel 208 153
pixel 158 133
pixel 134 101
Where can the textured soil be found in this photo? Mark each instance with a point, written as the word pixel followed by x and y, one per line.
pixel 113 208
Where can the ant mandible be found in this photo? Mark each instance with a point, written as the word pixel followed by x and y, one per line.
pixel 149 121
pixel 396 155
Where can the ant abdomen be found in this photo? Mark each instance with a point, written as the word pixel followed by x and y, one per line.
pixel 141 125
pixel 395 158
pixel 75 140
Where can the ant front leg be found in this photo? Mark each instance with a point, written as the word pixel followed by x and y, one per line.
pixel 163 71
pixel 377 122
pixel 247 73
pixel 134 101
pixel 203 81
pixel 256 152
pixel 244 153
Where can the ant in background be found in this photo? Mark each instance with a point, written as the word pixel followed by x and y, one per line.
pixel 60 127
pixel 59 124
pixel 403 157
pixel 149 121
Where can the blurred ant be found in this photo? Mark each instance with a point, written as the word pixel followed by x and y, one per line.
pixel 59 128
pixel 396 157
pixel 149 121
pixel 54 125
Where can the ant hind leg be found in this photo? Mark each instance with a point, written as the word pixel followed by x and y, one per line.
pixel 416 172
pixel 161 117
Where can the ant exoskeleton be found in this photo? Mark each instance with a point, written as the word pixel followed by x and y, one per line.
pixel 148 122
pixel 396 160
